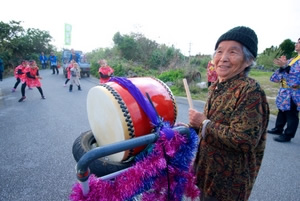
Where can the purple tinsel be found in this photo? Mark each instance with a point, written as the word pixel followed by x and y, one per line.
pixel 161 174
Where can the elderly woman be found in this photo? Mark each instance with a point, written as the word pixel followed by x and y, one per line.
pixel 233 126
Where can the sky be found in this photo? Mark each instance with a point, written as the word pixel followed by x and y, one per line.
pixel 193 26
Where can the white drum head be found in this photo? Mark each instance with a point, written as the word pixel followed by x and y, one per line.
pixel 106 119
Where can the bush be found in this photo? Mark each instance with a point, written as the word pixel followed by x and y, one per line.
pixel 171 75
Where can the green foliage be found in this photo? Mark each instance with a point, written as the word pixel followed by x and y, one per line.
pixel 171 75
pixel 119 70
pixel 127 46
pixel 287 47
pixel 155 59
pixel 137 48
pixel 257 73
pixel 17 44
pixel 265 60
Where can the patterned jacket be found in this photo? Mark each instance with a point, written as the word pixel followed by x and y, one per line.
pixel 290 86
pixel 230 155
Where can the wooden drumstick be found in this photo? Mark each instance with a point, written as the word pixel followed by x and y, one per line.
pixel 188 94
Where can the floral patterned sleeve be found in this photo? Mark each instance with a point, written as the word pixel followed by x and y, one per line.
pixel 276 77
pixel 293 78
pixel 241 123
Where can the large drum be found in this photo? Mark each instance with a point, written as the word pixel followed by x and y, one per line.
pixel 114 115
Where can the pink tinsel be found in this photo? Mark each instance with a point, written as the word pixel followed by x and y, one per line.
pixel 129 183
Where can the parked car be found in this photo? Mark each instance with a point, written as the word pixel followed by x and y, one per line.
pixel 82 62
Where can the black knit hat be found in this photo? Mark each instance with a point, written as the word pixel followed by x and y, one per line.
pixel 243 35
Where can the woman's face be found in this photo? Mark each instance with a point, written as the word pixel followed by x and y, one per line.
pixel 229 60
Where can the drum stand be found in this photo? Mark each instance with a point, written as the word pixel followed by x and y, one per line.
pixel 82 170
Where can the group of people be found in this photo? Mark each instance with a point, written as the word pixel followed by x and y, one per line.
pixel 54 64
pixel 27 73
pixel 233 126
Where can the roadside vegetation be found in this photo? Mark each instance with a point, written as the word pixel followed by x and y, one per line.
pixel 134 55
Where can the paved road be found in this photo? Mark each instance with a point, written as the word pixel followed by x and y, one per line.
pixel 36 138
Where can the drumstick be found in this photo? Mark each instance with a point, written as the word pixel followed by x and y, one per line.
pixel 188 94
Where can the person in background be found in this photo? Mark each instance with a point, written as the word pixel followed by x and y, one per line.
pixel 43 60
pixel 288 98
pixel 74 78
pixel 211 73
pixel 74 56
pixel 234 123
pixel 68 69
pixel 105 71
pixel 32 79
pixel 53 63
pixel 1 69
pixel 19 74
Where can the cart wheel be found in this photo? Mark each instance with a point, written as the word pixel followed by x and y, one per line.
pixel 100 167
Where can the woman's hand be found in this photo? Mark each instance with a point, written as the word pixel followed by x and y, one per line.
pixel 181 124
pixel 196 118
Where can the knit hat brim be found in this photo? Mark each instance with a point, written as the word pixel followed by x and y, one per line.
pixel 243 35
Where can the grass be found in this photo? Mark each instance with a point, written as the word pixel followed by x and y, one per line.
pixel 270 88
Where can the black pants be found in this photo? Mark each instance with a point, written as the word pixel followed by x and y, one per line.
pixel 54 68
pixel 17 83
pixel 44 65
pixel 24 86
pixel 290 118
pixel 67 80
pixel 1 76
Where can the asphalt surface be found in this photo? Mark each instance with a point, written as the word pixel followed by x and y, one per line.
pixel 36 138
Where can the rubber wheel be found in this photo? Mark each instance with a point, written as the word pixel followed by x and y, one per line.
pixel 100 167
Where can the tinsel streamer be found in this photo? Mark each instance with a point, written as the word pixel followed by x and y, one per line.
pixel 147 177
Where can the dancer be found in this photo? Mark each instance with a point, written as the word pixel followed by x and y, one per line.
pixel 19 74
pixel 68 69
pixel 74 78
pixel 32 79
pixel 105 71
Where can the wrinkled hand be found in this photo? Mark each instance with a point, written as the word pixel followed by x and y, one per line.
pixel 196 118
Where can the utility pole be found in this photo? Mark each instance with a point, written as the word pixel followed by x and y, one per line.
pixel 190 45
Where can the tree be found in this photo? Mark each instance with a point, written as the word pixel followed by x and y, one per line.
pixel 138 48
pixel 287 47
pixel 265 60
pixel 17 44
pixel 127 45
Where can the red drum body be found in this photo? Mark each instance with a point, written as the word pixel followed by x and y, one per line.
pixel 114 115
